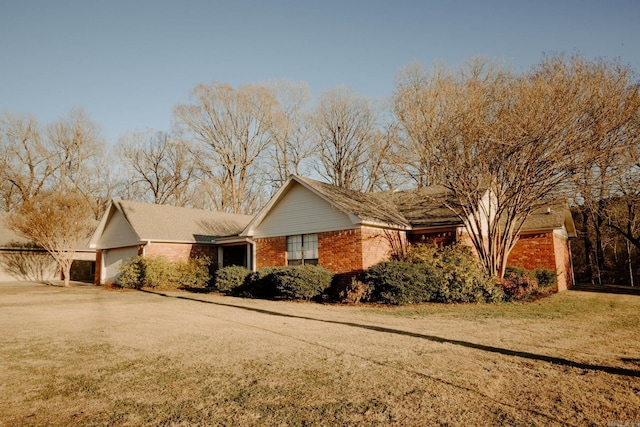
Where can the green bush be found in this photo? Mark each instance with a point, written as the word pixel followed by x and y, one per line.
pixel 131 274
pixel 302 282
pixel 398 282
pixel 259 284
pixel 462 278
pixel 428 273
pixel 160 273
pixel 228 279
pixel 194 274
pixel 546 277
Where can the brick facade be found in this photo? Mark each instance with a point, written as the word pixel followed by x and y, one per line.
pixel 181 252
pixel 271 252
pixel 97 278
pixel 345 252
pixel 543 250
pixel 533 251
pixel 340 251
pixel 376 245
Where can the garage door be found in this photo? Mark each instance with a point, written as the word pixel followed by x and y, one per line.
pixel 113 259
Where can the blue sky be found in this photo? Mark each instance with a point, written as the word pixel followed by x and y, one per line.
pixel 128 63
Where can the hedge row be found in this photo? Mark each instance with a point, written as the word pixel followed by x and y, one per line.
pixel 160 273
pixel 300 282
pixel 449 274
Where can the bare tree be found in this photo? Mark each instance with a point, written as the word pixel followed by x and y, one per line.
pixel 382 170
pixel 33 159
pixel 291 145
pixel 344 130
pixel 502 143
pixel 161 167
pixel 74 141
pixel 97 182
pixel 234 126
pixel 414 158
pixel 27 162
pixel 623 214
pixel 57 221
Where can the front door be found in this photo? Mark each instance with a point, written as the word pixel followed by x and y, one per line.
pixel 234 255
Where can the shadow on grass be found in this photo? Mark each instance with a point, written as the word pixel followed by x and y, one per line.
pixel 522 354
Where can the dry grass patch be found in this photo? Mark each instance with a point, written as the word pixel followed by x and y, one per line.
pixel 91 357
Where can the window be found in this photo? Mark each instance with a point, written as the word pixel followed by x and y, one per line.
pixel 302 249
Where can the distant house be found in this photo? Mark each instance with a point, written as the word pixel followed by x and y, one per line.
pixel 311 222
pixel 129 229
pixel 22 259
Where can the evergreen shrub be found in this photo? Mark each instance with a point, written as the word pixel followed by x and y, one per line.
pixel 229 279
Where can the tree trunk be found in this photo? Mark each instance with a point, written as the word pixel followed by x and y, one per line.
pixel 66 272
pixel 587 245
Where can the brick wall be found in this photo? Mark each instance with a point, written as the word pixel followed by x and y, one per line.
pixel 98 274
pixel 177 252
pixel 340 251
pixel 181 252
pixel 345 252
pixel 563 262
pixel 376 245
pixel 533 251
pixel 271 252
pixel 208 251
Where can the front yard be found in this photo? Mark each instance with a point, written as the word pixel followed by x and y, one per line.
pixel 86 356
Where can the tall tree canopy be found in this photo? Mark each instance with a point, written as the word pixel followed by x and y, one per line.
pixel 502 142
pixel 234 126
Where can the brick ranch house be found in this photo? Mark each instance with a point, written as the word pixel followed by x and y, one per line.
pixel 311 222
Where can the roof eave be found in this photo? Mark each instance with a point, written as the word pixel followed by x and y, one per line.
pixel 377 224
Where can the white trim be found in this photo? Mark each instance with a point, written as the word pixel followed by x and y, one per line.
pixel 322 230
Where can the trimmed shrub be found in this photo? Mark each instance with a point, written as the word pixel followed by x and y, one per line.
pixel 398 282
pixel 194 274
pixel 546 277
pixel 131 274
pixel 160 273
pixel 259 284
pixel 228 279
pixel 460 276
pixel 302 282
pixel 446 274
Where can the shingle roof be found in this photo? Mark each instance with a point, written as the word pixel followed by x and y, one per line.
pixel 425 207
pixel 550 216
pixel 372 207
pixel 171 223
